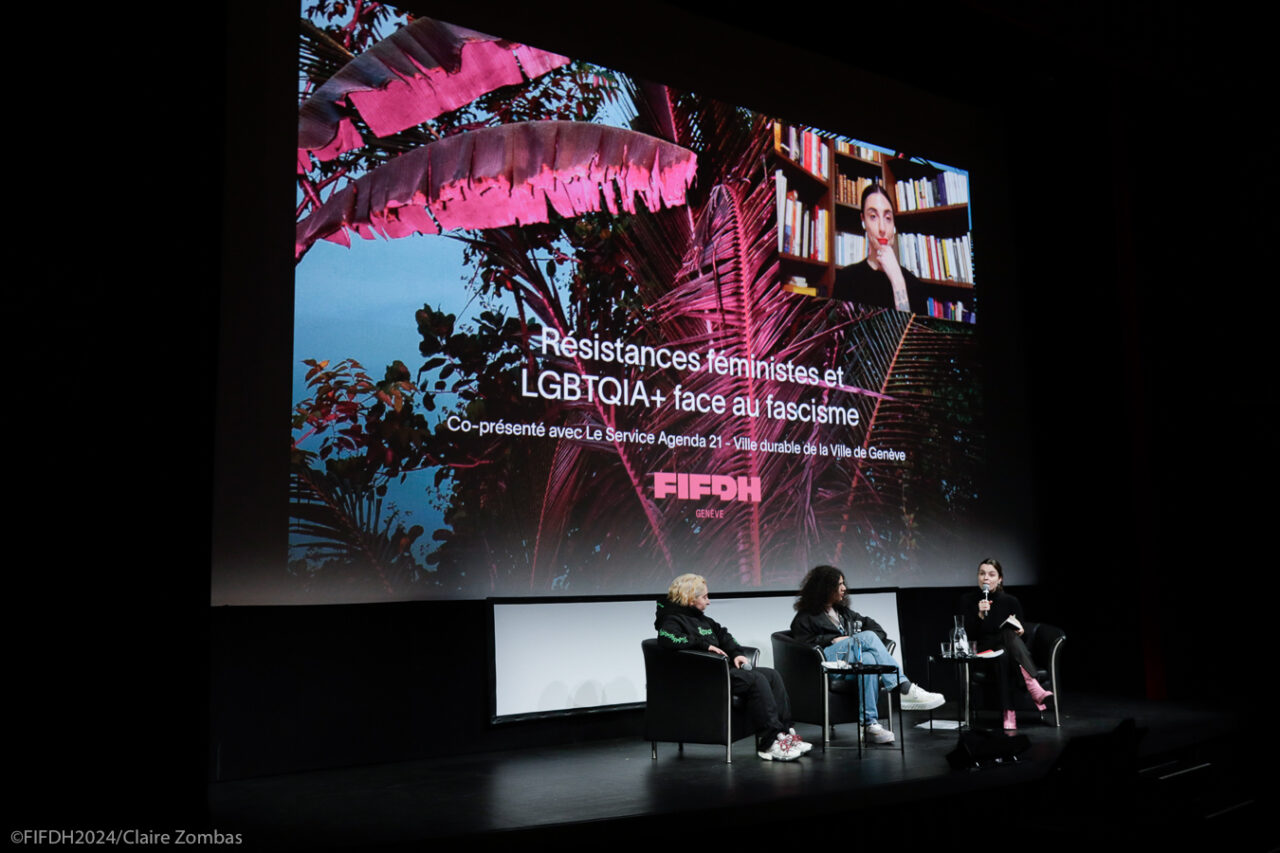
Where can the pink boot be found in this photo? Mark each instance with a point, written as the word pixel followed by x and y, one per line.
pixel 1010 721
pixel 1038 693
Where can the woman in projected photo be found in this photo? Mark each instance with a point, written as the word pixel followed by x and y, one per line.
pixel 824 619
pixel 682 625
pixel 879 279
pixel 993 620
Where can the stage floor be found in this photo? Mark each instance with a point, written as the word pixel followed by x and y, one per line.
pixel 1185 772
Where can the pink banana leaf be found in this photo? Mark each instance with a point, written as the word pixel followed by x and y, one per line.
pixel 420 71
pixel 499 176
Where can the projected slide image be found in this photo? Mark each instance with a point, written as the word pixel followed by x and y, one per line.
pixel 547 342
pixel 862 223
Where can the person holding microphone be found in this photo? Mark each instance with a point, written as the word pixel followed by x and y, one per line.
pixel 993 620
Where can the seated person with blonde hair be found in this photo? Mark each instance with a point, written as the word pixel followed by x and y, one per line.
pixel 682 624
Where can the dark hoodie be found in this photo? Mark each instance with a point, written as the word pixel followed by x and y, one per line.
pixel 681 627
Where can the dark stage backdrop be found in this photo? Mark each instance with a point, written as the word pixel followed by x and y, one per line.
pixel 1145 416
pixel 561 330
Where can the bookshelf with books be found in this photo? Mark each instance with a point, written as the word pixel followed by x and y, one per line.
pixel 806 217
pixel 857 167
pixel 820 179
pixel 934 239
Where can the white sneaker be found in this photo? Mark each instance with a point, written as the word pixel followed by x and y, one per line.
pixel 876 733
pixel 916 699
pixel 800 742
pixel 782 749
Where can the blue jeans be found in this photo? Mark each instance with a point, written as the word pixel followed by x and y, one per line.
pixel 873 651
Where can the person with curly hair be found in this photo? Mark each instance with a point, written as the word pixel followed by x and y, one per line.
pixel 824 619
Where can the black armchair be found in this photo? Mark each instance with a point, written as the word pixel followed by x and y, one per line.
pixel 1044 642
pixel 688 698
pixel 812 698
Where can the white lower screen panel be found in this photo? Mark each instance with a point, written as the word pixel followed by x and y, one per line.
pixel 562 656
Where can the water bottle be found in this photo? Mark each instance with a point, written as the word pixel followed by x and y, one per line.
pixel 959 639
pixel 855 646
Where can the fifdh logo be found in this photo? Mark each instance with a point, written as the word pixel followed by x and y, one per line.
pixel 691 487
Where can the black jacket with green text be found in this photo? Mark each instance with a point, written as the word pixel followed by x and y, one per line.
pixel 680 627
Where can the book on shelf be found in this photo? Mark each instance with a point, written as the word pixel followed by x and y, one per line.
pixel 799 284
pixel 944 188
pixel 862 152
pixel 850 248
pixel 780 197
pixel 849 189
pixel 803 147
pixel 938 258
pixel 803 229
pixel 945 310
pixel 821 246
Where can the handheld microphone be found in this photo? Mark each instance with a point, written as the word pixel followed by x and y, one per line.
pixel 986 591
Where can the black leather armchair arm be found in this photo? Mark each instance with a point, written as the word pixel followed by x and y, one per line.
pixel 689 698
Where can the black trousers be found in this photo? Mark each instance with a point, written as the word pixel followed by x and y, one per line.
pixel 765 697
pixel 1006 666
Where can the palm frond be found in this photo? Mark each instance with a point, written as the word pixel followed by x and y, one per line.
pixel 931 410
pixel 340 518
